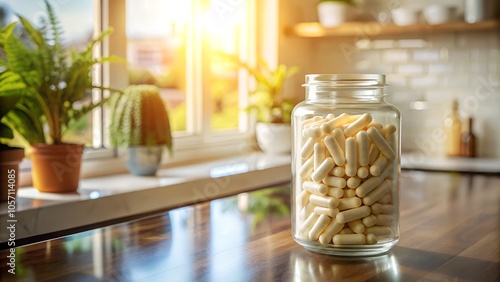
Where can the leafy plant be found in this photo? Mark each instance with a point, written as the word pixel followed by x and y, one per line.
pixel 267 100
pixel 139 117
pixel 50 83
pixel 7 103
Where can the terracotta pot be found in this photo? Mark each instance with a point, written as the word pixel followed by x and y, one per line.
pixel 9 171
pixel 56 168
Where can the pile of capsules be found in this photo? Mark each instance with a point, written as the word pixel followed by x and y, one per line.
pixel 346 167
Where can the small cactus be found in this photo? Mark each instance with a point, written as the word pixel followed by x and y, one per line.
pixel 139 118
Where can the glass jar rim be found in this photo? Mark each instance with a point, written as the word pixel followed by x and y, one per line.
pixel 345 80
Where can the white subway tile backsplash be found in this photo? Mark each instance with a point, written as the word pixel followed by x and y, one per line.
pixel 395 56
pixel 439 68
pixel 368 55
pixel 410 69
pixel 442 40
pixel 426 55
pixel 384 43
pixel 411 43
pixel 423 81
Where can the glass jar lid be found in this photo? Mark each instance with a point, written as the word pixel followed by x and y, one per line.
pixel 345 80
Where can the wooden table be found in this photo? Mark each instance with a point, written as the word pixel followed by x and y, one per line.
pixel 449 232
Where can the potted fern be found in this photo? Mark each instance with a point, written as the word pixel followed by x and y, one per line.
pixel 271 108
pixel 10 157
pixel 50 84
pixel 140 123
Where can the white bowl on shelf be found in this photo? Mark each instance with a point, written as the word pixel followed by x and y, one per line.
pixel 405 16
pixel 331 14
pixel 439 14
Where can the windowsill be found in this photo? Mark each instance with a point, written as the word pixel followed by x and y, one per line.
pixel 111 198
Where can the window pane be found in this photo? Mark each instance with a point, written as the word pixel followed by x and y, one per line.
pixel 156 51
pixel 224 23
pixel 76 18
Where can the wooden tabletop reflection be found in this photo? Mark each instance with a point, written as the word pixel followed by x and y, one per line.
pixel 449 232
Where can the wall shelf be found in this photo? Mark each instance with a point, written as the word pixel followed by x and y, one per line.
pixel 374 29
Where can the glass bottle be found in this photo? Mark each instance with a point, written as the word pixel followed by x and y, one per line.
pixel 453 126
pixel 345 166
pixel 469 141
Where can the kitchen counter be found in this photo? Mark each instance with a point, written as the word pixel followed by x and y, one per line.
pixel 450 226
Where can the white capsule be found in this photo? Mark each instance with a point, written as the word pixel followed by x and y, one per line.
pixel 314 131
pixel 377 193
pixel 319 154
pixel 370 220
pixel 326 211
pixel 308 223
pixel 306 168
pixel 318 227
pixel 371 239
pixel 334 181
pixel 363 148
pixel 376 208
pixel 384 219
pixel 311 120
pixel 377 125
pixel 303 198
pixel 352 214
pixel 349 239
pixel 324 201
pixel 373 154
pixel 363 172
pixel 357 226
pixel 353 182
pixel 339 135
pixel 306 211
pixel 353 118
pixel 334 149
pixel 331 230
pixel 315 188
pixel 379 230
pixel 330 116
pixel 390 136
pixel 349 203
pixel 336 192
pixel 386 208
pixel 378 165
pixel 367 186
pixel 349 193
pixel 334 123
pixel 386 199
pixel 351 166
pixel 323 170
pixel 307 148
pixel 357 125
pixel 338 171
pixel 381 143
pixel 346 230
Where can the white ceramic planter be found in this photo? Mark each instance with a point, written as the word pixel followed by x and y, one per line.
pixel 144 160
pixel 333 13
pixel 274 138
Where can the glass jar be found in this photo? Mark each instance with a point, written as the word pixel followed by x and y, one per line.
pixel 345 166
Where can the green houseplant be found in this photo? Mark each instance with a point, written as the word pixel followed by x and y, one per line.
pixel 51 81
pixel 139 122
pixel 10 157
pixel 268 103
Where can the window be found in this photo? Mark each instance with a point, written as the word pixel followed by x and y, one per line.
pixel 173 44
pixel 177 45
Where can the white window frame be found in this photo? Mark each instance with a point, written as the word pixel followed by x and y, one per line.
pixel 199 141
